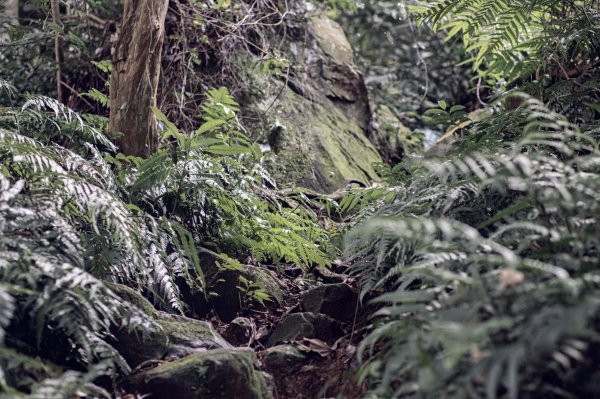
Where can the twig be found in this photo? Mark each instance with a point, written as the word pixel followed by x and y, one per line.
pixel 479 92
pixel 422 60
pixel 99 22
pixel 72 90
pixel 287 77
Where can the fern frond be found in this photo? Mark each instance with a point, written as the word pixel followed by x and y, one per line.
pixel 63 114
pixel 479 246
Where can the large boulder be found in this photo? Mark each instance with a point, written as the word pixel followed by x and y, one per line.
pixel 175 336
pixel 316 112
pixel 220 373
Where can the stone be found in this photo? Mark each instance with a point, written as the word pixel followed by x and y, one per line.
pixel 316 115
pixel 239 331
pixel 175 336
pixel 229 300
pixel 391 138
pixel 219 373
pixel 296 326
pixel 337 301
pixel 283 359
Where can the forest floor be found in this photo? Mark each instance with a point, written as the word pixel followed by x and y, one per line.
pixel 329 366
pixel 317 325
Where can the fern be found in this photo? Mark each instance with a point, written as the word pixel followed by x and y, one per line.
pixel 489 261
pixel 72 384
pixel 501 32
pixel 74 218
pixel 42 266
pixel 79 128
pixel 210 179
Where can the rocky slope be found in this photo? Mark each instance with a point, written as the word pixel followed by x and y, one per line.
pixel 300 349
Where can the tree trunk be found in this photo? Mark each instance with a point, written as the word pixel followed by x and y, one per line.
pixel 135 74
pixel 58 51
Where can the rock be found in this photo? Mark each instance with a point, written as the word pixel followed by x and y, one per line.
pixel 175 336
pixel 296 326
pixel 219 373
pixel 283 359
pixel 230 300
pixel 239 331
pixel 338 301
pixel 391 138
pixel 317 113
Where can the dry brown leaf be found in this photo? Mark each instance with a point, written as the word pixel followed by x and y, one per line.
pixel 314 345
pixel 510 277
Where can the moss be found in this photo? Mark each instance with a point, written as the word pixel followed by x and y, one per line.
pixel 133 297
pixel 393 139
pixel 315 117
pixel 220 373
pixel 322 146
pixel 175 337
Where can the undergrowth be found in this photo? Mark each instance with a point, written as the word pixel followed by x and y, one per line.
pixel 73 214
pixel 484 271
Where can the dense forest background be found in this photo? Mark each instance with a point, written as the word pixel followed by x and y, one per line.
pixel 296 199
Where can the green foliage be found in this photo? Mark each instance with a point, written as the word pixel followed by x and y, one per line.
pixel 489 267
pixel 46 287
pixel 47 120
pixel 71 218
pixel 209 181
pixel 252 292
pixel 512 36
pixel 27 58
pixel 406 67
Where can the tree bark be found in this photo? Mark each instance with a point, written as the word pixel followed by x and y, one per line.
pixel 135 75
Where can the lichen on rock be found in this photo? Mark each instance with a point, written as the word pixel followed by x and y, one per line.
pixel 219 373
pixel 314 115
pixel 175 336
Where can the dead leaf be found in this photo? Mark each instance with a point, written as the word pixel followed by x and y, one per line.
pixel 314 345
pixel 510 277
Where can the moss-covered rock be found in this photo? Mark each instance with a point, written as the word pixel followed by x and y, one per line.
pixel 391 138
pixel 283 359
pixel 296 326
pixel 220 373
pixel 337 301
pixel 315 114
pixel 175 336
pixel 239 332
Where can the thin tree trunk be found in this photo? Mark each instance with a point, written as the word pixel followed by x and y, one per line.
pixel 58 51
pixel 135 75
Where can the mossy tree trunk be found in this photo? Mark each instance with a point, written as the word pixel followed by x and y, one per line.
pixel 135 75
